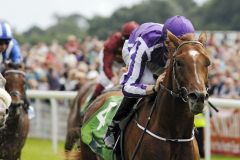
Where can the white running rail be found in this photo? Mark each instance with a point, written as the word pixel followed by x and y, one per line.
pixel 54 95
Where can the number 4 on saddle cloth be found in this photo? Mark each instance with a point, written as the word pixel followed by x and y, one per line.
pixel 94 129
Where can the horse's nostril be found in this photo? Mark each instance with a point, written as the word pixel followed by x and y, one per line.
pixel 6 111
pixel 196 96
pixel 193 96
pixel 206 96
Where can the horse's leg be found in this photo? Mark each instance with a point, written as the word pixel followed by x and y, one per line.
pixel 73 127
pixel 71 139
pixel 86 153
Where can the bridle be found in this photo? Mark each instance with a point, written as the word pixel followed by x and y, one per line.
pixel 182 91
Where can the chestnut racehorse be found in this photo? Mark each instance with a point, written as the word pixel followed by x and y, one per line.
pixel 14 134
pixel 163 126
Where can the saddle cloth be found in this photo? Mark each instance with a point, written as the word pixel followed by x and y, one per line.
pixel 94 129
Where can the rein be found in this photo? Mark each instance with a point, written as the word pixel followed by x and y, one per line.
pixel 144 129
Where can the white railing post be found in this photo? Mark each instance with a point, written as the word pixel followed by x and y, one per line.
pixel 54 114
pixel 38 116
pixel 207 139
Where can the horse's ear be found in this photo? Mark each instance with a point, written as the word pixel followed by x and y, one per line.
pixel 203 38
pixel 171 37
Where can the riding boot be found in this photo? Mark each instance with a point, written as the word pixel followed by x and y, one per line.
pixel 124 108
pixel 112 131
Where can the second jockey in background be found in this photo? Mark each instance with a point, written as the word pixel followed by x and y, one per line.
pixel 111 58
pixel 10 51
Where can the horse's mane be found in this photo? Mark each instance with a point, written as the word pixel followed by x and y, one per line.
pixel 187 37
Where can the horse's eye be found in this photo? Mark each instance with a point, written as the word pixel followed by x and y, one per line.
pixel 208 63
pixel 178 63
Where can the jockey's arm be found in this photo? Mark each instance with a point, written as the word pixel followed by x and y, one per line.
pixel 15 54
pixel 107 63
pixel 111 48
pixel 131 82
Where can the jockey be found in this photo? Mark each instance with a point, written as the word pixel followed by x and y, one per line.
pixel 5 40
pixel 145 46
pixel 111 58
pixel 10 49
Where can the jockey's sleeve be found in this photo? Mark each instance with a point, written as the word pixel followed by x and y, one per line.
pixel 131 80
pixel 14 53
pixel 125 53
pixel 111 48
pixel 16 56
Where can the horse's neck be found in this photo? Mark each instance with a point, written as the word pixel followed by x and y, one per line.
pixel 174 117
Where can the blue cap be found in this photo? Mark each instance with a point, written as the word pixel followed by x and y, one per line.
pixel 178 25
pixel 5 31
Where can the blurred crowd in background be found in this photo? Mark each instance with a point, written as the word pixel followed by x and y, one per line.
pixel 224 73
pixel 67 67
pixel 62 67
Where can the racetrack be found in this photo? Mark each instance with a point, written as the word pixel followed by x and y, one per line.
pixel 41 149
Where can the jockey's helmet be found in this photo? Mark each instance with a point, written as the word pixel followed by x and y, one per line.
pixel 178 25
pixel 5 31
pixel 128 27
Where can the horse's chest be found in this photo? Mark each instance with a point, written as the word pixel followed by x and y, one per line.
pixel 156 150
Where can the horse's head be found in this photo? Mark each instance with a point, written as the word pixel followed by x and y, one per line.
pixel 15 83
pixel 189 63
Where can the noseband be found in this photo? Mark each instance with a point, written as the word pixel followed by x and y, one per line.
pixel 182 91
pixel 14 71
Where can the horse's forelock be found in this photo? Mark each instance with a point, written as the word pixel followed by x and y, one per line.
pixel 187 37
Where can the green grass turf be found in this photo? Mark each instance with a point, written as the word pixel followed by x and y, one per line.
pixel 41 149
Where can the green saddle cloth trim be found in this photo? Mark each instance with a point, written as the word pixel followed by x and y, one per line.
pixel 95 128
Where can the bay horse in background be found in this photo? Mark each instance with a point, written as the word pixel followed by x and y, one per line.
pixel 163 125
pixel 14 134
pixel 75 118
